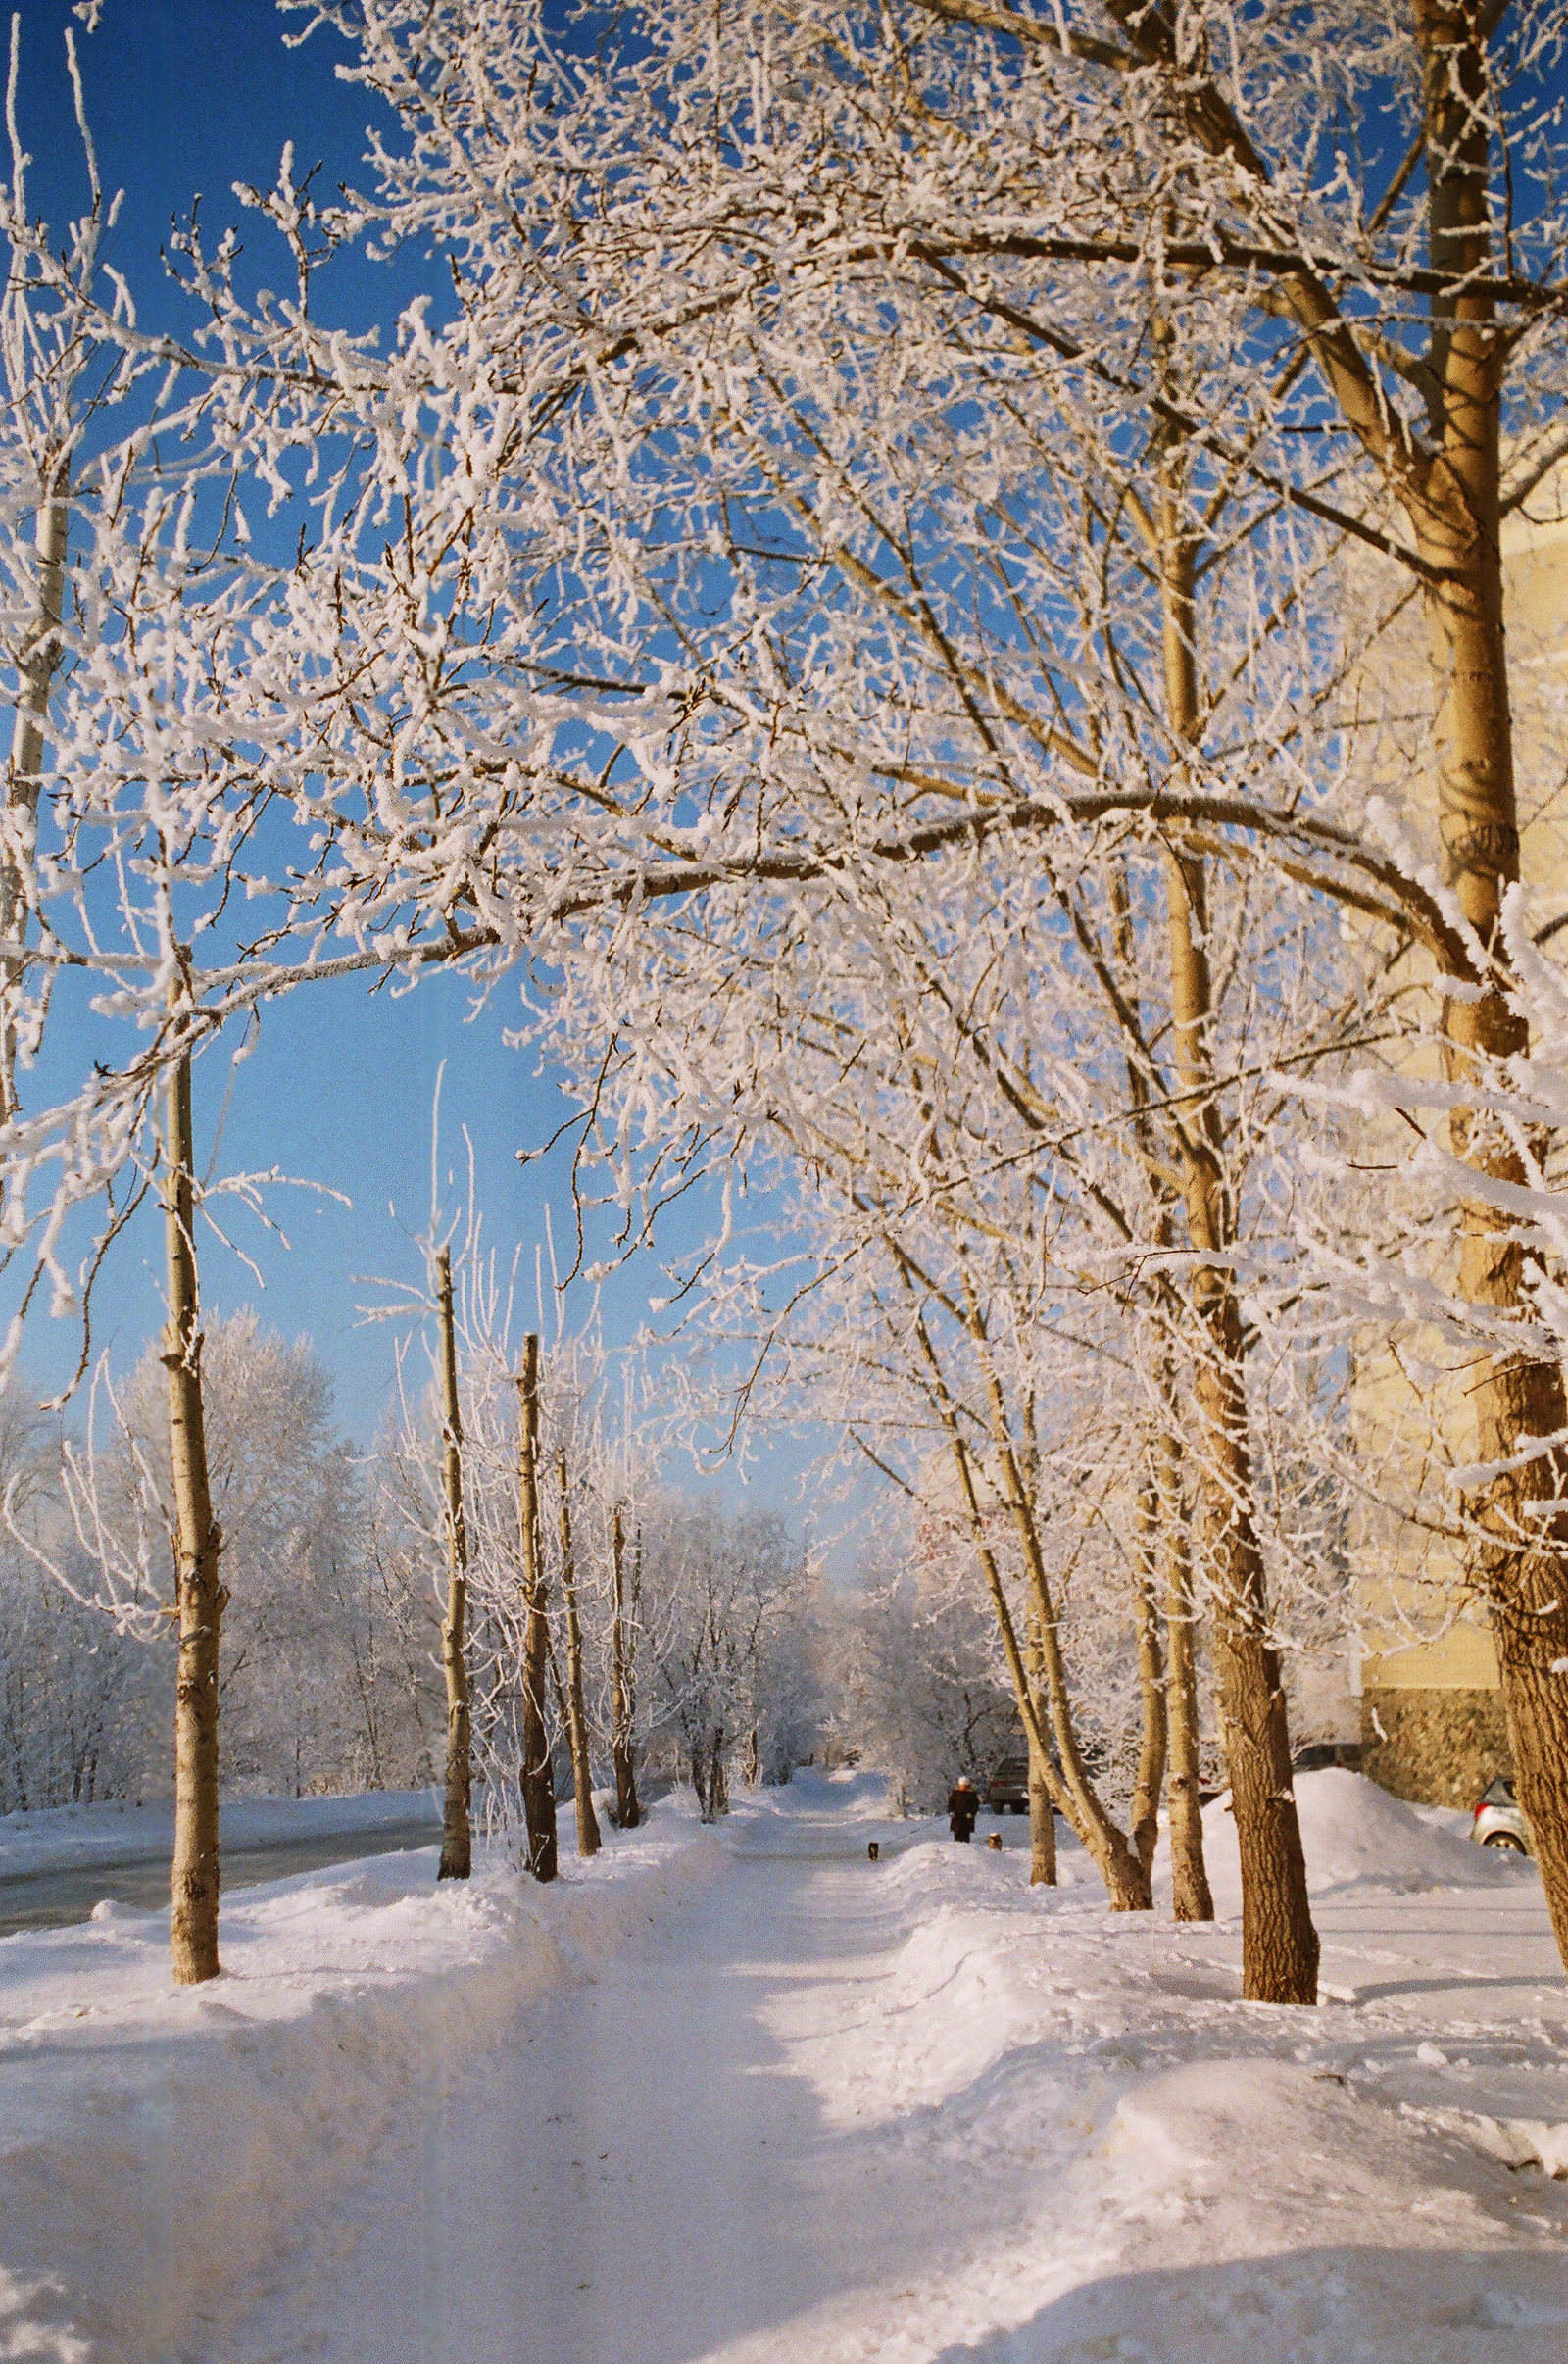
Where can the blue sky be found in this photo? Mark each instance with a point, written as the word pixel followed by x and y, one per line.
pixel 187 96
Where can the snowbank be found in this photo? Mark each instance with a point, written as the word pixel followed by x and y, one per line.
pixel 1354 1834
pixel 1205 2181
pixel 159 2142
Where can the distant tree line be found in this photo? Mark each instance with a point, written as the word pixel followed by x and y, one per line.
pixel 331 1673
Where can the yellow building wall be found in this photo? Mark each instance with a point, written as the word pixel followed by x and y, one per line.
pixel 1421 1635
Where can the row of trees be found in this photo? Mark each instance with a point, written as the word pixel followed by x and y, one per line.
pixel 589 1606
pixel 874 577
pixel 638 1626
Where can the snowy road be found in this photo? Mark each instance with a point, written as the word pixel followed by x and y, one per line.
pixel 59 1896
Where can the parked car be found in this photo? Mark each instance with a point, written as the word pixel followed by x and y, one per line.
pixel 1498 1821
pixel 1007 1790
pixel 1318 1756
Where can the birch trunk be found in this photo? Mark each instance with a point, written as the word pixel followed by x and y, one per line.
pixel 1042 1810
pixel 200 1593
pixel 628 1811
pixel 456 1841
pixel 25 785
pixel 1190 1899
pixel 538 1776
pixel 582 1780
pixel 1143 1815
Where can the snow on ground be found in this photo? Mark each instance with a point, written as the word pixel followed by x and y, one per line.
pixel 126 1831
pixel 754 2096
pixel 158 2143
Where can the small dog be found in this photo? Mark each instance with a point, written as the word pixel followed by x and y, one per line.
pixel 873 1849
pixel 995 1842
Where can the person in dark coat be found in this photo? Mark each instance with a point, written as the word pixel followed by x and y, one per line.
pixel 963 1804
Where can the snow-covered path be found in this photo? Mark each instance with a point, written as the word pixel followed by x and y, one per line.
pixel 648 2178
pixel 745 2098
pixel 829 2111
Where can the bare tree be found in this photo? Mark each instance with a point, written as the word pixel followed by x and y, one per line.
pixel 879 662
pixel 588 1839
pixel 538 1771
pixel 623 1669
pixel 201 1597
pixel 456 1844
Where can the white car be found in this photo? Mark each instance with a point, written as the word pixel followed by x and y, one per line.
pixel 1498 1821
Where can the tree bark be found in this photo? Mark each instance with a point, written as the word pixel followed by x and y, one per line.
pixel 628 1811
pixel 24 784
pixel 1065 1776
pixel 200 1593
pixel 582 1779
pixel 716 1801
pixel 1452 497
pixel 1190 1899
pixel 538 1773
pixel 1126 1878
pixel 1068 1775
pixel 1279 1943
pixel 1520 1559
pixel 1143 1816
pixel 1042 1810
pixel 457 1839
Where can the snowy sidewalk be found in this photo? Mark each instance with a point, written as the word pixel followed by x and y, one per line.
pixel 834 2111
pixel 650 2177
pixel 755 2098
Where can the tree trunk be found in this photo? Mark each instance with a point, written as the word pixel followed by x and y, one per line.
pixel 717 1780
pixel 582 1779
pixel 628 1812
pixel 1279 1943
pixel 1042 1810
pixel 1066 1777
pixel 1143 1816
pixel 1126 1878
pixel 24 784
pixel 538 1773
pixel 1518 1561
pixel 200 1593
pixel 456 1841
pixel 1126 1881
pixel 1190 1899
